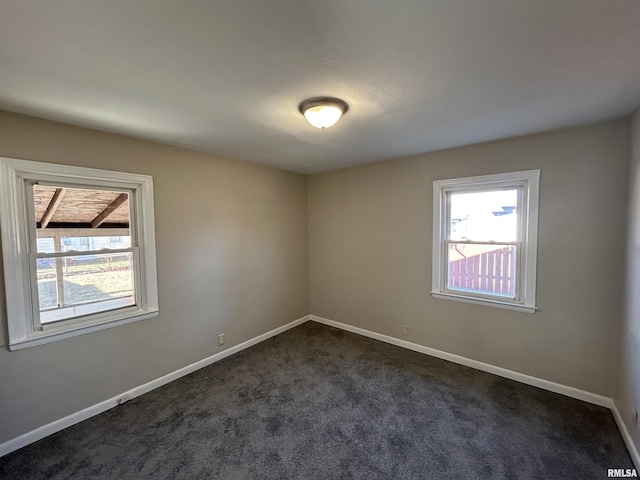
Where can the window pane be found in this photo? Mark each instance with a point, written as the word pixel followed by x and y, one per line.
pixel 47 281
pixel 80 219
pixel 46 245
pixel 70 243
pixel 484 216
pixel 482 268
pixel 88 284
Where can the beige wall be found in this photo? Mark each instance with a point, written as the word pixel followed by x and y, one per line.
pixel 370 254
pixel 628 373
pixel 237 255
pixel 232 257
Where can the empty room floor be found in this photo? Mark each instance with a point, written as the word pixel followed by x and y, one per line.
pixel 319 403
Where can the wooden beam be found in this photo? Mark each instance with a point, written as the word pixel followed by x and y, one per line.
pixel 52 207
pixel 96 222
pixel 52 231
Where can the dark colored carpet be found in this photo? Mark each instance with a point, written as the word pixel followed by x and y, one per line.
pixel 319 403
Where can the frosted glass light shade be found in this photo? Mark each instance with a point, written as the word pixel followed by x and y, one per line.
pixel 323 116
pixel 323 112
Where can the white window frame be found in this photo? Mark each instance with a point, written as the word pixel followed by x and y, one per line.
pixel 526 241
pixel 23 313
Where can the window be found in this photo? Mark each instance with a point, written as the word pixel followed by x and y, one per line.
pixel 485 232
pixel 79 250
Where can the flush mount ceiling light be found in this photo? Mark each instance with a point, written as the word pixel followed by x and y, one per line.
pixel 323 112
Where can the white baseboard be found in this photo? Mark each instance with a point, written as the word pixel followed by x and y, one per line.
pixel 53 427
pixel 502 372
pixel 485 367
pixel 633 451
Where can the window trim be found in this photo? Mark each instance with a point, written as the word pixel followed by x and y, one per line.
pixel 529 181
pixel 15 225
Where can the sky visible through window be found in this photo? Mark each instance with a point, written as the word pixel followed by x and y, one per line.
pixel 484 216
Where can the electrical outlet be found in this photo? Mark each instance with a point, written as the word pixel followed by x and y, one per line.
pixel 405 330
pixel 221 339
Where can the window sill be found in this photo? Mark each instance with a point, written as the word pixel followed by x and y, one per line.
pixel 53 333
pixel 484 302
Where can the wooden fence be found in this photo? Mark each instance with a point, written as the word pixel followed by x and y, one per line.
pixel 492 272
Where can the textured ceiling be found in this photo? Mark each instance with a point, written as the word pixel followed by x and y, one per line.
pixel 227 76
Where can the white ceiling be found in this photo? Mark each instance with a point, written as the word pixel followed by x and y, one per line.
pixel 227 76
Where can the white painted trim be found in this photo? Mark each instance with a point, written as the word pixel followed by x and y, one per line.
pixel 633 450
pixel 528 203
pixel 62 423
pixel 467 362
pixel 572 392
pixel 104 320
pixel 16 215
pixel 484 302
